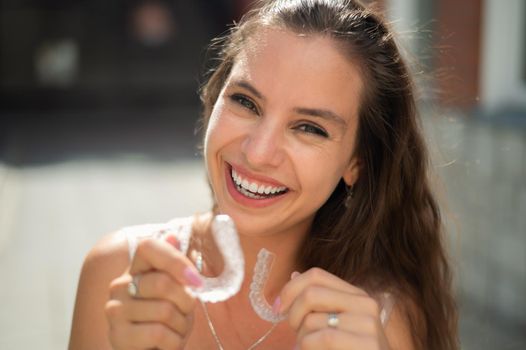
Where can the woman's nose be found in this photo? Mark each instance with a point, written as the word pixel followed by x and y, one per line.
pixel 263 146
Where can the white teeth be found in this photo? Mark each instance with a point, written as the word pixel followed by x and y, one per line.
pixel 249 194
pixel 245 184
pixel 236 178
pixel 254 187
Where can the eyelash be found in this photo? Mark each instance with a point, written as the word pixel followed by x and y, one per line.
pixel 313 130
pixel 247 103
pixel 244 102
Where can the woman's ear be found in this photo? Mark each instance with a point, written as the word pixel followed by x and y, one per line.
pixel 352 172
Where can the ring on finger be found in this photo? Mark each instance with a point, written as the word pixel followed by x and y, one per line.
pixel 333 320
pixel 133 287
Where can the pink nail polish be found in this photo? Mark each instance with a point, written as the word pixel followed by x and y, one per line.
pixel 173 241
pixel 294 275
pixel 276 306
pixel 192 277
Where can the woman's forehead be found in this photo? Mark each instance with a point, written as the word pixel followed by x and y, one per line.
pixel 299 67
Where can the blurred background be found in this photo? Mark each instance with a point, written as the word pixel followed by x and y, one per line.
pixel 98 108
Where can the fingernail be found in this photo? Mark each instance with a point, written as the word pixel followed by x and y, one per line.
pixel 192 277
pixel 276 306
pixel 173 241
pixel 294 275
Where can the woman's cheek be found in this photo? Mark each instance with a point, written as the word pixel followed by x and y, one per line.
pixel 318 176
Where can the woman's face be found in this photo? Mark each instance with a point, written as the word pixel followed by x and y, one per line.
pixel 282 131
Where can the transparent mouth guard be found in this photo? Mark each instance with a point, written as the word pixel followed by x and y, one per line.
pixel 257 298
pixel 228 283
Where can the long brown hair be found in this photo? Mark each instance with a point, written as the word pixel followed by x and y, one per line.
pixel 389 236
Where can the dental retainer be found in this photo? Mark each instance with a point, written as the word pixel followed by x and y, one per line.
pixel 228 283
pixel 257 298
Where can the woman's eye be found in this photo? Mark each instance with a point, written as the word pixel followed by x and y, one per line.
pixel 312 129
pixel 244 102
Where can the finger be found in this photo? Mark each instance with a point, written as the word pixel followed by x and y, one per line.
pixel 160 285
pixel 140 311
pixel 336 340
pixel 144 336
pixel 143 310
pixel 153 285
pixel 348 322
pixel 322 299
pixel 314 276
pixel 154 254
pixel 119 287
pixel 131 310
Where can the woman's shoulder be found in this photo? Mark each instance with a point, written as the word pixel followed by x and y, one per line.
pixel 404 316
pixel 395 310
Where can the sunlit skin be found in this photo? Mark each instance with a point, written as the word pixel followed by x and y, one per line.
pixel 286 116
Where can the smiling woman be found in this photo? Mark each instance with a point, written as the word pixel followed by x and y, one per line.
pixel 312 147
pixel 288 111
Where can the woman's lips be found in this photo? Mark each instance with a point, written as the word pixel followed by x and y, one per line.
pixel 242 199
pixel 258 178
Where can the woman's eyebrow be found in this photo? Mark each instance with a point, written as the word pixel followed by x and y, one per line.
pixel 322 113
pixel 313 112
pixel 246 85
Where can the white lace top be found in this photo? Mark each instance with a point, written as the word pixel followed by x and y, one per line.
pixel 133 234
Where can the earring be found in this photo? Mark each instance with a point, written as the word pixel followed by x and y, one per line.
pixel 350 196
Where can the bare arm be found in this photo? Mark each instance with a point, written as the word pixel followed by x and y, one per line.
pixel 105 262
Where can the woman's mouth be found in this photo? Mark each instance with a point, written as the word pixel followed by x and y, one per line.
pixel 255 190
pixel 250 191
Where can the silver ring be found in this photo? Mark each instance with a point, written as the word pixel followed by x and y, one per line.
pixel 133 287
pixel 333 320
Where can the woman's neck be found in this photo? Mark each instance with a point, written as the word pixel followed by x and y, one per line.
pixel 285 247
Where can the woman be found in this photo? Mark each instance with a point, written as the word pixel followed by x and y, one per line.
pixel 312 147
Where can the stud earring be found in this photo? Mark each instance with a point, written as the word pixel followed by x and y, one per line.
pixel 350 196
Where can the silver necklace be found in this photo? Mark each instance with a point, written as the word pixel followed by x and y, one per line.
pixel 216 338
pixel 199 265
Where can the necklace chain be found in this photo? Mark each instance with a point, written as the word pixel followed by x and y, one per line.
pixel 216 338
pixel 199 265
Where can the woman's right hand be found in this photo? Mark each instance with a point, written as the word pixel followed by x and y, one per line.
pixel 160 316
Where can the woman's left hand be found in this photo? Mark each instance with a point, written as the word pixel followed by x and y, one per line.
pixel 312 297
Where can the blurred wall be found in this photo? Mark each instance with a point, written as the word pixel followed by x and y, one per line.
pixel 458 39
pixel 503 54
pixel 78 54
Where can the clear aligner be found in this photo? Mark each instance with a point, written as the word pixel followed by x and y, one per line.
pixel 256 295
pixel 228 283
